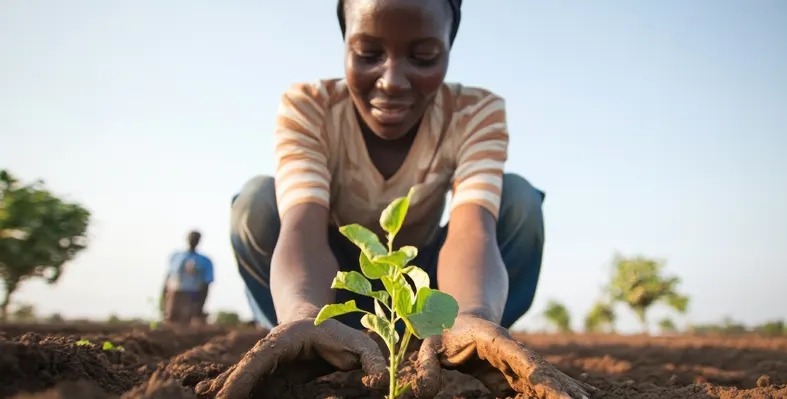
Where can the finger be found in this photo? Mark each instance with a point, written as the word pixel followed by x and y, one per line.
pixel 211 387
pixel 527 373
pixel 561 387
pixel 429 373
pixel 371 359
pixel 494 380
pixel 546 391
pixel 336 353
pixel 588 388
pixel 260 361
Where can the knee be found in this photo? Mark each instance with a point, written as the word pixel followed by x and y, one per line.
pixel 254 215
pixel 520 206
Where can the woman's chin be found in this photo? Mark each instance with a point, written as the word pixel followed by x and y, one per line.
pixel 390 132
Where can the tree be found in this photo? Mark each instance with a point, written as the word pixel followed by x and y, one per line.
pixel 728 326
pixel 601 317
pixel 731 327
pixel 24 313
pixel 54 318
pixel 229 319
pixel 667 326
pixel 39 234
pixel 772 328
pixel 558 316
pixel 639 283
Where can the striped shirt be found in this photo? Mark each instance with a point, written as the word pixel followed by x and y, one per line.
pixel 461 147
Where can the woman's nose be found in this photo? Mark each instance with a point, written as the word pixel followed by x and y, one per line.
pixel 394 79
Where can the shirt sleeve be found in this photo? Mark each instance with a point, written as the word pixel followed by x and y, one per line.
pixel 482 153
pixel 302 174
pixel 207 275
pixel 171 265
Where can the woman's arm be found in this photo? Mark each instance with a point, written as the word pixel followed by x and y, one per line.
pixel 303 264
pixel 470 266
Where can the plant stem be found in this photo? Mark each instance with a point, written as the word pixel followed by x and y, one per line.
pixel 392 371
pixel 393 366
pixel 403 346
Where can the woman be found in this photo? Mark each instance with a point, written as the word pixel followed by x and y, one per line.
pixel 346 148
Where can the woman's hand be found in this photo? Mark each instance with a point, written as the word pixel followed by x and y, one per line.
pixel 487 351
pixel 302 351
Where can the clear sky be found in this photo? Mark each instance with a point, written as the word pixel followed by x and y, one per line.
pixel 655 127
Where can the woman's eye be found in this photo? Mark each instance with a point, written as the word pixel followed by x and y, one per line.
pixel 426 58
pixel 368 56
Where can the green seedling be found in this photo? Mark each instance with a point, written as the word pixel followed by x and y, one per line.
pixel 108 346
pixel 424 311
pixel 157 309
pixel 112 348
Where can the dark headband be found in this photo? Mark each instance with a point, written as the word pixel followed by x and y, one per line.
pixel 456 13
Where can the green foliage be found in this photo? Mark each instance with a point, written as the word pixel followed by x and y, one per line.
pixel 158 311
pixel 24 313
pixel 558 316
pixel 728 326
pixel 54 318
pixel 229 319
pixel 639 283
pixel 39 234
pixel 667 326
pixel 600 318
pixel 424 311
pixel 772 328
pixel 107 346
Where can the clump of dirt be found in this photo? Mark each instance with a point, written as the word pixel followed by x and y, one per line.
pixel 172 363
pixel 32 363
pixel 82 389
pixel 211 359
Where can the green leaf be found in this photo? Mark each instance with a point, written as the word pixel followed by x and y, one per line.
pixel 420 277
pixel 355 282
pixel 364 239
pixel 395 284
pixel 434 312
pixel 109 347
pixel 392 218
pixel 373 270
pixel 352 281
pixel 380 326
pixel 83 342
pixel 405 299
pixel 401 389
pixel 400 257
pixel 381 296
pixel 378 310
pixel 336 309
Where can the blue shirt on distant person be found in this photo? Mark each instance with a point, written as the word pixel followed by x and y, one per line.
pixel 189 271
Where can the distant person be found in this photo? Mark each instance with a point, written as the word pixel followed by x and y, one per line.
pixel 345 148
pixel 186 286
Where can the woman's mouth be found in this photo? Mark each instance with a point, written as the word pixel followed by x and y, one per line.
pixel 390 114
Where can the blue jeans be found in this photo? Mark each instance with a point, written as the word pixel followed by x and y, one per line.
pixel 255 229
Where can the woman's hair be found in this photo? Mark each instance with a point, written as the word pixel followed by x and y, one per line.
pixel 456 16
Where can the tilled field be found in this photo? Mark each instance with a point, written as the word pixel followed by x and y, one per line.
pixel 47 362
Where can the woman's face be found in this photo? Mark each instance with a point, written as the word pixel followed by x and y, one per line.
pixel 396 60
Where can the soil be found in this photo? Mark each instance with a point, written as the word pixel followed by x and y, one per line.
pixel 44 362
